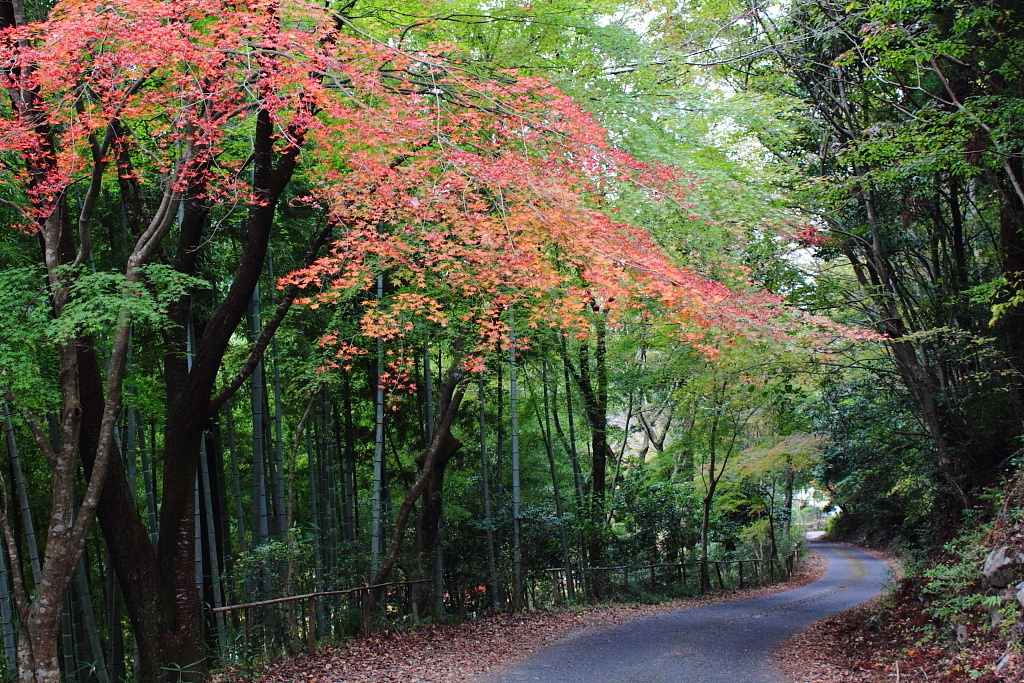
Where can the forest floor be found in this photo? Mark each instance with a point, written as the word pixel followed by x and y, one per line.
pixel 462 652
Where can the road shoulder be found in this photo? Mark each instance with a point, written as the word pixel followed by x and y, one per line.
pixel 810 655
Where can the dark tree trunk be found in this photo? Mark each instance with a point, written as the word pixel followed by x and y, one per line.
pixel 427 524
pixel 159 586
pixel 593 386
pixel 430 480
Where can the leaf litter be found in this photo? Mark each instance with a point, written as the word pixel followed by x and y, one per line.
pixel 444 653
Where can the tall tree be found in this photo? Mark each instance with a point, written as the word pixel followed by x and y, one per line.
pixel 906 131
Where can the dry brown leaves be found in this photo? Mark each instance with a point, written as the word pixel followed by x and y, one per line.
pixel 879 642
pixel 459 653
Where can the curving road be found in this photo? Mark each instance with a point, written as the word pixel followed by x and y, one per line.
pixel 728 642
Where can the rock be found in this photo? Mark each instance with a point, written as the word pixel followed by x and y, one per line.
pixel 998 562
pixel 995 615
pixel 1020 593
pixel 962 633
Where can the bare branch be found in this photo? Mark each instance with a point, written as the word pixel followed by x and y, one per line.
pixel 42 442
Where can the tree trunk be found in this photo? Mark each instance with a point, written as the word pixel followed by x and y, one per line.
pixel 7 631
pixel 376 532
pixel 787 503
pixel 593 386
pixel 449 397
pixel 428 524
pixel 350 462
pixel 545 426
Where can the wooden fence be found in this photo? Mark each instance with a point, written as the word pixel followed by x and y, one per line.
pixel 720 574
pixel 264 627
pixel 256 630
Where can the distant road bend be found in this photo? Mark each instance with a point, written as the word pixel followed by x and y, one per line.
pixel 728 642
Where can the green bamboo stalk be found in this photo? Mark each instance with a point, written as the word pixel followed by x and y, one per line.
pixel 131 448
pixel 341 468
pixel 222 516
pixel 236 480
pixel 314 516
pixel 67 631
pixel 574 460
pixel 277 462
pixel 577 476
pixel 513 408
pixel 7 616
pixel 378 451
pixel 115 634
pixel 332 483
pixel 492 570
pixel 499 480
pixel 22 492
pixel 314 490
pixel 90 631
pixel 260 530
pixel 211 532
pixel 549 446
pixel 349 487
pixel 149 480
pixel 437 575
pixel 323 547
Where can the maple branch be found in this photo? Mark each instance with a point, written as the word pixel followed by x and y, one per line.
pixel 658 441
pixel 99 166
pixel 564 348
pixel 256 353
pixel 100 161
pixel 132 196
pixel 160 223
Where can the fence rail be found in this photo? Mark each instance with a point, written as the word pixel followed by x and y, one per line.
pixel 251 631
pixel 726 574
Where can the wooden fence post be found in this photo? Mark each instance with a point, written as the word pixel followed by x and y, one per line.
pixel 311 625
pixel 556 588
pixel 413 610
pixel 366 610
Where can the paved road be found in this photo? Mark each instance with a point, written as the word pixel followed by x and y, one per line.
pixel 723 643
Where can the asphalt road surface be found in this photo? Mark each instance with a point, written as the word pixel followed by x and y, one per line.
pixel 728 642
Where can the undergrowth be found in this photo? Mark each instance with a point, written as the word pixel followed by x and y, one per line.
pixel 944 621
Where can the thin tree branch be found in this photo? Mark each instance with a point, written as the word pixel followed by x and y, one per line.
pixel 256 353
